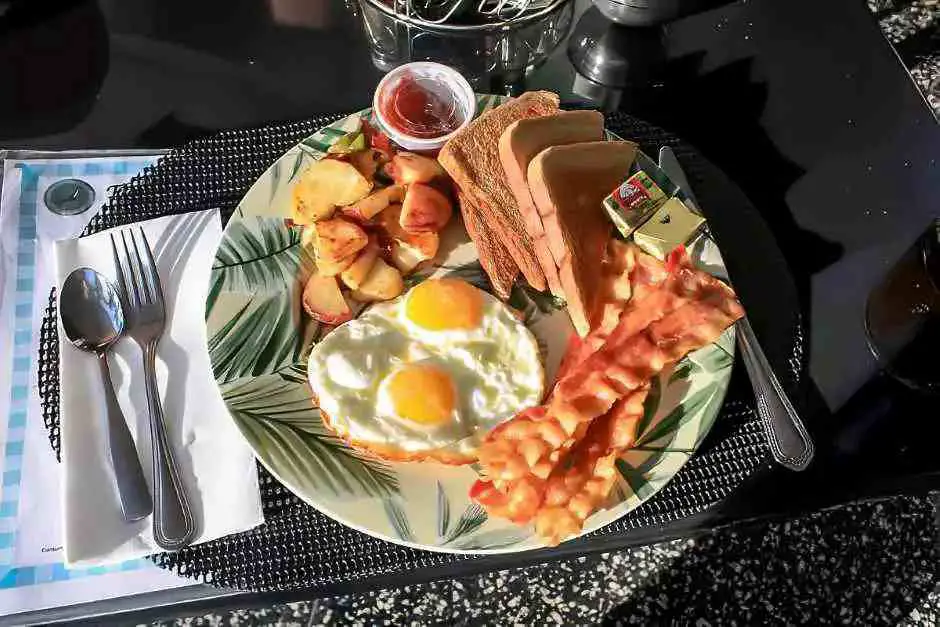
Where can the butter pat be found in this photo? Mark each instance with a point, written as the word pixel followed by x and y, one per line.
pixel 633 202
pixel 670 225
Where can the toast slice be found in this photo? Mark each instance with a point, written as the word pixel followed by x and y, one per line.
pixel 495 259
pixel 471 157
pixel 568 185
pixel 518 144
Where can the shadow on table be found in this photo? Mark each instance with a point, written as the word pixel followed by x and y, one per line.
pixel 868 563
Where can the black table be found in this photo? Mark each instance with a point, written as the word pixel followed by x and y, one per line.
pixel 803 103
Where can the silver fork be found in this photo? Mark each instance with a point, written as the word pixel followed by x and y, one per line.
pixel 173 524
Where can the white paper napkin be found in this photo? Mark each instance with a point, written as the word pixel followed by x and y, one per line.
pixel 216 465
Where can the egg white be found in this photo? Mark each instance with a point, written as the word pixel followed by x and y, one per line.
pixel 496 370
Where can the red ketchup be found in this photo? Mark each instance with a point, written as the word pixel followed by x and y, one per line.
pixel 421 108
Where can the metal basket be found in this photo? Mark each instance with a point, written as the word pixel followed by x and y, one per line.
pixel 498 52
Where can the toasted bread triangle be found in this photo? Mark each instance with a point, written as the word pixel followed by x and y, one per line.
pixel 568 185
pixel 494 258
pixel 519 144
pixel 471 158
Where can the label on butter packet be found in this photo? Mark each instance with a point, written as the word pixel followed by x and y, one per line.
pixel 670 225
pixel 633 202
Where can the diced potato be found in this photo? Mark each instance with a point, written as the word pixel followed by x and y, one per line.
pixel 350 142
pixel 368 161
pixel 425 210
pixel 407 168
pixel 356 273
pixel 406 258
pixel 325 185
pixel 337 238
pixel 328 267
pixel 324 301
pixel 382 283
pixel 371 205
pixel 425 244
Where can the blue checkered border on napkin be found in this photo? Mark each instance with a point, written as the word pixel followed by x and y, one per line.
pixel 23 364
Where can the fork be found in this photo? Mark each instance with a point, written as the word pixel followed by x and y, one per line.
pixel 173 523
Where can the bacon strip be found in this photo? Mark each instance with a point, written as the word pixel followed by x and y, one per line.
pixel 578 487
pixel 534 442
pixel 688 310
pixel 688 314
pixel 629 273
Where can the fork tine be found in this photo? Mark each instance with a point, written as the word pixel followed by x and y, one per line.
pixel 132 272
pixel 154 276
pixel 144 273
pixel 119 267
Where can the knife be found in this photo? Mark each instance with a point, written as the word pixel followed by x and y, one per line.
pixel 786 435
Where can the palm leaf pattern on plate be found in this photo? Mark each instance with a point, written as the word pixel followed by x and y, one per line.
pixel 671 422
pixel 683 370
pixel 636 477
pixel 398 519
pixel 258 254
pixel 472 518
pixel 279 418
pixel 263 336
pixel 443 511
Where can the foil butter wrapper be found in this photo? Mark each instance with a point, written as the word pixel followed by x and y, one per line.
pixel 634 202
pixel 673 223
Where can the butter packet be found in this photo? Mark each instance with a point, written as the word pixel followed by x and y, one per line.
pixel 670 225
pixel 633 202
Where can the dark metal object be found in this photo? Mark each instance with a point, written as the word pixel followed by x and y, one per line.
pixel 493 58
pixel 614 55
pixel 640 12
pixel 93 320
pixel 173 523
pixel 902 315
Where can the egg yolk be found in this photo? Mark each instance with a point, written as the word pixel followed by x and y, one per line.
pixel 422 394
pixel 445 304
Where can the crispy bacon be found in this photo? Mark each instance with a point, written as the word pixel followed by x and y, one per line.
pixel 683 317
pixel 562 486
pixel 541 448
pixel 581 485
pixel 628 273
pixel 501 454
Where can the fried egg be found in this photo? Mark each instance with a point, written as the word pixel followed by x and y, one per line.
pixel 427 375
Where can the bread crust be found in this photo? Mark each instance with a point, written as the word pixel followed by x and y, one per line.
pixel 518 145
pixel 494 257
pixel 471 158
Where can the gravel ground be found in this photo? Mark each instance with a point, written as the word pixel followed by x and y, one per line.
pixel 914 28
pixel 867 563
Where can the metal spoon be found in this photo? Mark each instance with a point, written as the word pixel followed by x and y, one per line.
pixel 93 320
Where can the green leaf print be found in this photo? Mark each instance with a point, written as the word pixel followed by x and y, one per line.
pixel 281 421
pixel 398 519
pixel 265 335
pixel 260 254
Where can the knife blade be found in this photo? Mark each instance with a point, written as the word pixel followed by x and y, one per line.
pixel 669 163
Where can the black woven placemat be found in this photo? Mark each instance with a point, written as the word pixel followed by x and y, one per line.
pixel 300 547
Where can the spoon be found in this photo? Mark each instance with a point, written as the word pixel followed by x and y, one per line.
pixel 93 320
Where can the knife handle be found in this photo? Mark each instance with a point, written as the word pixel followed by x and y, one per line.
pixel 789 441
